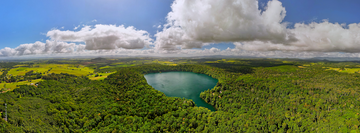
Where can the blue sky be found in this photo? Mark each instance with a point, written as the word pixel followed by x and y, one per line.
pixel 28 21
pixel 23 21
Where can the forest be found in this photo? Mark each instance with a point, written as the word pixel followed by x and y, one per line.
pixel 252 95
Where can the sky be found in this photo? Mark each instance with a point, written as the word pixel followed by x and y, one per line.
pixel 264 28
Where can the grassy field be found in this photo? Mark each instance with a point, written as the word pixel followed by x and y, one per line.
pixel 211 61
pixel 12 86
pixel 287 61
pixel 77 70
pixel 71 69
pixel 16 66
pixel 165 62
pixel 23 70
pixel 227 61
pixel 118 63
pixel 346 70
pixel 102 77
pixel 312 64
pixel 301 67
pixel 106 67
pixel 351 70
pixel 126 65
pixel 330 68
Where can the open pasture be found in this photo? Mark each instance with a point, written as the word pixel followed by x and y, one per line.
pixel 118 63
pixel 301 67
pixel 16 66
pixel 165 62
pixel 101 76
pixel 351 70
pixel 12 86
pixel 228 61
pixel 78 70
pixel 106 67
pixel 345 70
pixel 20 71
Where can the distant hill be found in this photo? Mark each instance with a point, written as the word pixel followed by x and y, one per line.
pixel 336 58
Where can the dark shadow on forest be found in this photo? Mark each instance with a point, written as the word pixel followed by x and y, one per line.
pixel 235 68
pixel 247 68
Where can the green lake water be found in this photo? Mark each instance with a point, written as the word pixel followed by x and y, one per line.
pixel 183 84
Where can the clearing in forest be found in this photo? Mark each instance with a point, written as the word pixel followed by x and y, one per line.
pixel 99 76
pixel 78 70
pixel 165 62
pixel 12 86
pixel 345 70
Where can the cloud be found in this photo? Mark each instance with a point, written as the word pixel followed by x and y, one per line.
pixel 94 20
pixel 175 38
pixel 104 37
pixel 76 27
pixel 194 23
pixel 262 54
pixel 50 47
pixel 317 37
pixel 63 49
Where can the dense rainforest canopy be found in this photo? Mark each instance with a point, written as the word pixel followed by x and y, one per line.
pixel 248 98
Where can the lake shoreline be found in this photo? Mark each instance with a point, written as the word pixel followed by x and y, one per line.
pixel 183 84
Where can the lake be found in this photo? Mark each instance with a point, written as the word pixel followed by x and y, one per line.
pixel 183 84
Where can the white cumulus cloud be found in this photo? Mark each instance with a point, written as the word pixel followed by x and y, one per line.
pixel 50 47
pixel 76 27
pixel 104 37
pixel 191 23
pixel 317 37
pixel 169 39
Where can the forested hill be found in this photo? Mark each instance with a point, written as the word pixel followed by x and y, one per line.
pixel 268 99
